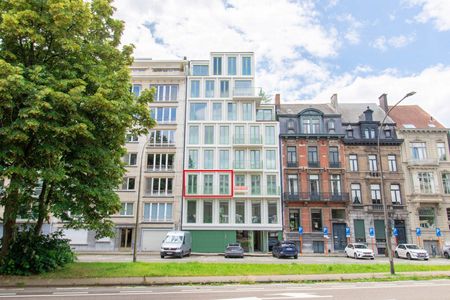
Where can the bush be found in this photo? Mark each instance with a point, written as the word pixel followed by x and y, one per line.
pixel 30 254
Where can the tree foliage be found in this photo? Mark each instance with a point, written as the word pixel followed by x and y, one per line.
pixel 65 107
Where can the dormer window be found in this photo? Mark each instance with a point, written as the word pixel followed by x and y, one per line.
pixel 331 126
pixel 369 133
pixel 349 131
pixel 387 131
pixel 311 125
pixel 291 126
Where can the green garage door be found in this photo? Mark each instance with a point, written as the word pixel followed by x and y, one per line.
pixel 211 241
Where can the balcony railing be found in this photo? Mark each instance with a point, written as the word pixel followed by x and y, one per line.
pixel 292 164
pixel 252 164
pixel 313 164
pixel 151 168
pixel 372 174
pixel 335 164
pixel 161 145
pixel 307 196
pixel 247 140
pixel 247 92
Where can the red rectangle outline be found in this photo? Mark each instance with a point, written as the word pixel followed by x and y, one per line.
pixel 231 172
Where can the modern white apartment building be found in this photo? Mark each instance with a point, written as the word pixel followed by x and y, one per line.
pixel 231 168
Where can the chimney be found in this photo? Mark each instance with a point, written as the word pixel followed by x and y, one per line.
pixel 334 101
pixel 277 103
pixel 383 103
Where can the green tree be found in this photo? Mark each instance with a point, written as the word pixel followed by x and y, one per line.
pixel 65 107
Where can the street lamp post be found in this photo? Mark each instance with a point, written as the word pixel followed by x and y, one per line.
pixel 136 225
pixel 387 224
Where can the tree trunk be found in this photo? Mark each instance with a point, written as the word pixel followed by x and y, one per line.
pixel 9 218
pixel 42 209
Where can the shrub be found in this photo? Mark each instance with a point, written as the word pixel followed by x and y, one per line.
pixel 30 254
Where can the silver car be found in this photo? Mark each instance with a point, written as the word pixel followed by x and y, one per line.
pixel 234 250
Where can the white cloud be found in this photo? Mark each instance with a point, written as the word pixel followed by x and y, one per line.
pixel 382 43
pixel 352 35
pixel 436 11
pixel 430 85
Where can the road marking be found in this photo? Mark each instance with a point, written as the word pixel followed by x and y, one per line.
pixel 284 296
pixel 69 293
pixel 7 294
pixel 72 288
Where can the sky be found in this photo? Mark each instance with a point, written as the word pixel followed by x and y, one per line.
pixel 309 50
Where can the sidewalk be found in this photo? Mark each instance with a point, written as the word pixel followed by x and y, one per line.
pixel 129 281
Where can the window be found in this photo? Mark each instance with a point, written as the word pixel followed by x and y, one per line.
pixel 200 70
pixel 395 194
pixel 271 184
pixel 128 183
pixel 208 159
pixel 335 180
pixel 191 211
pixel 353 161
pixel 239 136
pixel 217 111
pixel 356 193
pixel 380 231
pixel 224 184
pixel 192 184
pixel 331 126
pixel 239 159
pixel 426 182
pixel 160 161
pixel 375 193
pixel 392 162
pixel 255 159
pixel 334 157
pixel 224 136
pixel 193 159
pixel 418 151
pixel 293 184
pixel 360 231
pixel 338 214
pixel 269 137
pixel 314 186
pixel 207 184
pixel 126 209
pixel 264 115
pixel 197 112
pixel 369 133
pixel 311 125
pixel 240 180
pixel 159 186
pixel 255 136
pixel 291 155
pixel 247 109
pixel 349 132
pixel 243 88
pixel 441 151
pixel 232 112
pixel 209 88
pixel 231 65
pixel 426 217
pixel 130 159
pixel 195 88
pixel 131 138
pixel 246 66
pixel 161 138
pixel 193 135
pixel 271 163
pixel 240 212
pixel 448 216
pixel 164 114
pixel 255 185
pixel 313 158
pixel 373 166
pixel 294 219
pixel 224 89
pixel 209 135
pixel 272 212
pixel 217 65
pixel 446 183
pixel 158 212
pixel 291 126
pixel 256 212
pixel 316 219
pixel 165 92
pixel 223 212
pixel 207 212
pixel 137 89
pixel 224 159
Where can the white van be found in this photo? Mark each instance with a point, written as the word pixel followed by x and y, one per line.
pixel 176 243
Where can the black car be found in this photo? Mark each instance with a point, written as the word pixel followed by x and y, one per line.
pixel 234 250
pixel 285 249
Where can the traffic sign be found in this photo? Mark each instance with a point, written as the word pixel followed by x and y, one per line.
pixel 325 232
pixel 395 231
pixel 347 232
pixel 371 232
pixel 300 230
pixel 438 232
pixel 418 231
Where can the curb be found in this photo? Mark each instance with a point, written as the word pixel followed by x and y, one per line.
pixel 157 281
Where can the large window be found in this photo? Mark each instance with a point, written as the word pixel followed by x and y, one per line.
pixel 294 219
pixel 156 186
pixel 427 217
pixel 160 161
pixel 239 159
pixel 246 66
pixel 158 212
pixel 164 114
pixel 224 212
pixel 208 184
pixel 208 159
pixel 200 70
pixel 128 183
pixel 255 159
pixel 395 194
pixel 195 88
pixel 191 211
pixel 272 212
pixel 375 193
pixel 255 136
pixel 271 184
pixel 240 212
pixel 311 125
pixel 239 135
pixel 426 182
pixel 335 180
pixel 239 180
pixel 126 209
pixel 193 159
pixel 165 92
pixel 130 159
pixel 446 182
pixel 207 212
pixel 217 111
pixel 418 151
pixel 224 89
pixel 131 138
pixel 392 162
pixel 353 161
pixel 231 65
pixel 314 188
pixel 373 166
pixel 291 155
pixel 209 135
pixel 137 89
pixel 356 193
pixel 316 219
pixel 269 137
pixel 209 89
pixel 334 157
pixel 197 112
pixel 271 163
pixel 247 110
pixel 224 159
pixel 313 157
pixel 232 112
pixel 217 65
pixel 256 212
pixel 224 184
pixel 441 151
pixel 255 184
pixel 264 115
pixel 161 138
pixel 192 184
pixel 293 184
pixel 224 135
pixel 193 135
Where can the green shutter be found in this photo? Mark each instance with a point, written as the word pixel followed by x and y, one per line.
pixel 379 230
pixel 360 231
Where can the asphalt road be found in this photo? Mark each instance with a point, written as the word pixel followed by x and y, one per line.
pixel 260 259
pixel 408 290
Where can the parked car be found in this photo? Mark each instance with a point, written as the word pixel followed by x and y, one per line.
pixel 358 250
pixel 176 243
pixel 411 251
pixel 234 250
pixel 285 249
pixel 446 251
